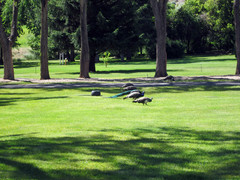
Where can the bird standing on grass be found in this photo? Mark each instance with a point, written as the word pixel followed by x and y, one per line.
pixel 143 100
pixel 134 95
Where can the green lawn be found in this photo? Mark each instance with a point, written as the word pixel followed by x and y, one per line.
pixel 188 66
pixel 189 132
pixel 185 133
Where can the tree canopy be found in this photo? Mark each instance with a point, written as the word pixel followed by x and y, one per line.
pixel 126 28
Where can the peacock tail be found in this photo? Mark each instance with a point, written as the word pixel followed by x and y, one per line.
pixel 121 94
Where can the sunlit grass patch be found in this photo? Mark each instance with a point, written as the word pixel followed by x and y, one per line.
pixel 187 132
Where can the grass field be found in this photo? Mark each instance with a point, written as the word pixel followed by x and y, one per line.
pixel 185 133
pixel 188 66
pixel 189 132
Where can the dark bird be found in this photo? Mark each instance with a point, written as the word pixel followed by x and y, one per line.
pixel 169 78
pixel 134 95
pixel 143 100
pixel 129 88
pixel 127 84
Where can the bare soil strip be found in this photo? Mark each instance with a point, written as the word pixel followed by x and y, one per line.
pixel 138 82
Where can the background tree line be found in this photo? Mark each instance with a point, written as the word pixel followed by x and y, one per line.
pixel 126 28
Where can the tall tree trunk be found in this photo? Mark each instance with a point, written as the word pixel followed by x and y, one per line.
pixel 159 8
pixel 44 40
pixel 237 33
pixel 7 42
pixel 8 62
pixel 85 57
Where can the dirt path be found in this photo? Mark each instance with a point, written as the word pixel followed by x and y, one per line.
pixel 138 82
pixel 97 85
pixel 149 79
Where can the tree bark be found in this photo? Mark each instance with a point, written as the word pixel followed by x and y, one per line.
pixel 44 40
pixel 85 57
pixel 7 43
pixel 236 8
pixel 159 8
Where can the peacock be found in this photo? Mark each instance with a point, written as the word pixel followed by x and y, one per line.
pixel 143 100
pixel 123 93
pixel 127 84
pixel 134 95
pixel 129 88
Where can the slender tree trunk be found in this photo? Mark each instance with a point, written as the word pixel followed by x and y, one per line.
pixel 44 40
pixel 72 55
pixel 7 42
pixel 85 57
pixel 159 8
pixel 237 33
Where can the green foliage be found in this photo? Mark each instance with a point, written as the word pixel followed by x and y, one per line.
pixel 126 27
pixel 175 49
pixel 188 27
pixel 34 43
pixel 30 13
pixel 105 57
pixel 6 10
pixel 6 15
pixel 220 14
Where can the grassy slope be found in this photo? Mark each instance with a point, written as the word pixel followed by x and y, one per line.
pixel 67 134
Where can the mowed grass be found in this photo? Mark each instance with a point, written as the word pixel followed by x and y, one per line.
pixel 189 132
pixel 185 133
pixel 187 66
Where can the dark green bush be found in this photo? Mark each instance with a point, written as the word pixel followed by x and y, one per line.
pixel 175 49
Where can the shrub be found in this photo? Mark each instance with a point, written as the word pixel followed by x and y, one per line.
pixel 175 49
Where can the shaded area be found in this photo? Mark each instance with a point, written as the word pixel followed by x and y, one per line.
pixel 184 89
pixel 125 71
pixel 12 98
pixel 119 84
pixel 28 64
pixel 9 100
pixel 197 59
pixel 162 153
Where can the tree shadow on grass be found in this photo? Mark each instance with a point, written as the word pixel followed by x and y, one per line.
pixel 184 89
pixel 29 64
pixel 197 59
pixel 167 89
pixel 163 153
pixel 12 100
